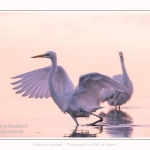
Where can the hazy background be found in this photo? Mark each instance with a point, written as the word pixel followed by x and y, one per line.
pixel 85 41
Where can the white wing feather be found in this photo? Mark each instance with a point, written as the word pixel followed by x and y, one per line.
pixel 110 93
pixel 89 88
pixel 35 83
pixel 107 94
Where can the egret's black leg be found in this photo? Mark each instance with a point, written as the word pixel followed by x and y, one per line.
pixel 74 119
pixel 101 119
pixel 92 124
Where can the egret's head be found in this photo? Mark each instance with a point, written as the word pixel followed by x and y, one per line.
pixel 50 54
pixel 121 54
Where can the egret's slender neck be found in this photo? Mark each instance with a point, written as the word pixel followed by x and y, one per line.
pixel 53 92
pixel 125 75
pixel 55 96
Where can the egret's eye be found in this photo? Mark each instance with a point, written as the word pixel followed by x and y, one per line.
pixel 46 54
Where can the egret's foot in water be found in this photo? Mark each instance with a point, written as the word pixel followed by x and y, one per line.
pixel 92 124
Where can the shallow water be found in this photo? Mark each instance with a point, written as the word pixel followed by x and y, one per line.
pixel 84 42
pixel 132 121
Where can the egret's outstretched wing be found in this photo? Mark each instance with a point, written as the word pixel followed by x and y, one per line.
pixel 118 78
pixel 107 94
pixel 90 86
pixel 35 83
pixel 110 93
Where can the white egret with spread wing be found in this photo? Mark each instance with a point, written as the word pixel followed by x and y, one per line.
pixel 54 82
pixel 115 97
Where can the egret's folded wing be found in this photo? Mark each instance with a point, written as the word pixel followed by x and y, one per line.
pixel 90 86
pixel 35 83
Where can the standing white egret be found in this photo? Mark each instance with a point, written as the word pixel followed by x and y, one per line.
pixel 54 82
pixel 115 97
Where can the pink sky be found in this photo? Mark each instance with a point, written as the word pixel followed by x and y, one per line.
pixel 84 42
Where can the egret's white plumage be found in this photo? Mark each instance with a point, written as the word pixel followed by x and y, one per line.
pixel 54 82
pixel 35 83
pixel 115 97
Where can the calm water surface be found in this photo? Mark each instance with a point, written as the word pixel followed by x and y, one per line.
pixel 84 42
pixel 132 121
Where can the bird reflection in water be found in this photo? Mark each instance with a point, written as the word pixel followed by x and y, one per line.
pixel 118 123
pixel 84 132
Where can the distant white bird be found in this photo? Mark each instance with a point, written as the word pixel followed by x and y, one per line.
pixel 54 82
pixel 115 97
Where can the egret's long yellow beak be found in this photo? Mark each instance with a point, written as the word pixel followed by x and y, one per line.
pixel 42 55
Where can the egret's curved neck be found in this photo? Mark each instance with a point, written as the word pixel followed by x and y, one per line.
pixel 53 92
pixel 125 75
pixel 55 96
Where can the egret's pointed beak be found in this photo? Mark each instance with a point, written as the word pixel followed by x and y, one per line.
pixel 42 55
